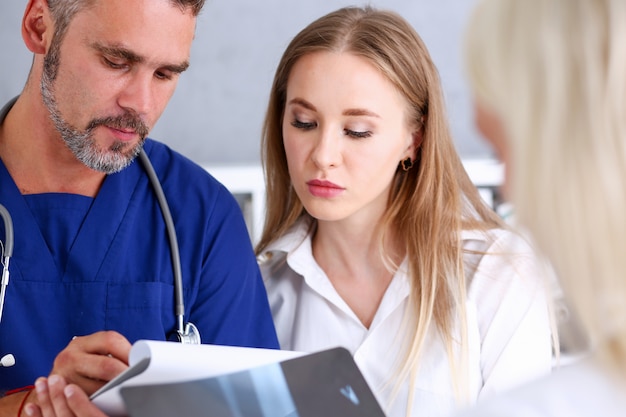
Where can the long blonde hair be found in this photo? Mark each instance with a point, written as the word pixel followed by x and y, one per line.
pixel 555 72
pixel 430 204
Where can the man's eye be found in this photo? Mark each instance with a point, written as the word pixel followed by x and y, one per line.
pixel 162 75
pixel 114 65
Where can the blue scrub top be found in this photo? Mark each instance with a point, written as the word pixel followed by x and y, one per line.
pixel 81 265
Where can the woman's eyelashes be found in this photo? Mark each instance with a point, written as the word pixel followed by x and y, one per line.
pixel 357 134
pixel 303 125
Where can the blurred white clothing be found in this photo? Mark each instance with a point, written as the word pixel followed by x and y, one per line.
pixel 507 320
pixel 578 390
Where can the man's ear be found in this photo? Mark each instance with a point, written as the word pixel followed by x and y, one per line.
pixel 37 27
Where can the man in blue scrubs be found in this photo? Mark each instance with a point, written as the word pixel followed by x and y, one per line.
pixel 91 270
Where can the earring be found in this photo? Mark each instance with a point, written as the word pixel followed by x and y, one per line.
pixel 407 163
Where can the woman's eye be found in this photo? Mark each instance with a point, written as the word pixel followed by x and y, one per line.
pixel 358 135
pixel 303 125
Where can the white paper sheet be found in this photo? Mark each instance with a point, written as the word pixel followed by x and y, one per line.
pixel 154 362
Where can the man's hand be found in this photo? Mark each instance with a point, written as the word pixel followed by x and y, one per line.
pixel 91 361
pixel 55 398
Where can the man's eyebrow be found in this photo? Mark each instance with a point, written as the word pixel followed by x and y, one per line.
pixel 118 52
pixel 133 58
pixel 177 68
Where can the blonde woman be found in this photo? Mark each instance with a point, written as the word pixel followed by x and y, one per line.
pixel 375 238
pixel 549 77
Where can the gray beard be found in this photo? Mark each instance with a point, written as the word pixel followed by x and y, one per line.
pixel 82 142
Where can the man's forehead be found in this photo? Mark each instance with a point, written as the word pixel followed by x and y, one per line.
pixel 147 29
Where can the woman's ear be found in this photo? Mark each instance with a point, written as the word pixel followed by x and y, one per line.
pixel 37 28
pixel 417 137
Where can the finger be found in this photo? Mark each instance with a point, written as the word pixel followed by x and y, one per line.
pixel 93 371
pixel 80 404
pixel 56 384
pixel 32 410
pixel 43 398
pixel 105 343
pixel 90 361
pixel 82 368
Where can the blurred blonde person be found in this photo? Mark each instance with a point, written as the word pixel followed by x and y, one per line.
pixel 549 78
pixel 376 239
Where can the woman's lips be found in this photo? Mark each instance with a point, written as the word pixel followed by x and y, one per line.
pixel 324 189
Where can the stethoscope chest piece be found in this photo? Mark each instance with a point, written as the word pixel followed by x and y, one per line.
pixel 190 336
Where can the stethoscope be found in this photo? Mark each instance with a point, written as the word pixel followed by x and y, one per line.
pixel 186 333
pixel 7 251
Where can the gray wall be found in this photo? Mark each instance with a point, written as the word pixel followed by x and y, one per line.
pixel 216 113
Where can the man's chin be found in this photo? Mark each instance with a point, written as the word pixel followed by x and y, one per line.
pixel 110 163
pixel 110 160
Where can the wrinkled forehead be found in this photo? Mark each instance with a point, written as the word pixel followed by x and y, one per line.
pixel 153 30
